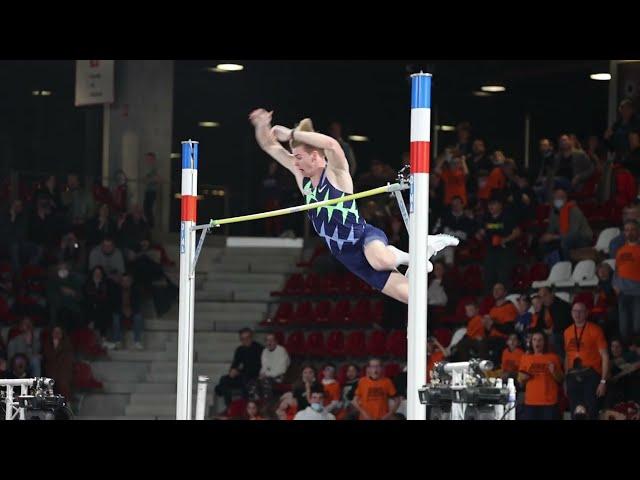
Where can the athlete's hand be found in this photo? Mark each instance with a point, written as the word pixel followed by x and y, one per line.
pixel 260 117
pixel 282 134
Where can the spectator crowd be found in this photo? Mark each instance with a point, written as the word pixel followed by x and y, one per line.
pixel 545 282
pixel 76 267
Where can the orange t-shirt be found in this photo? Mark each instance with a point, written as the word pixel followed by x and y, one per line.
pixel 563 221
pixel 541 388
pixel 511 360
pixel 628 262
pixel 373 396
pixel 475 327
pixel 455 185
pixel 432 359
pixel 591 341
pixel 505 313
pixel 496 180
pixel 332 392
pixel 290 412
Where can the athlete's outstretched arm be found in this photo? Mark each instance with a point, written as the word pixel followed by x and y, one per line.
pixel 261 120
pixel 333 150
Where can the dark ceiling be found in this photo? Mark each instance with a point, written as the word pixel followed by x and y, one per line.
pixel 369 97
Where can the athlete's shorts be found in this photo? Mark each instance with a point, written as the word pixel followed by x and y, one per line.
pixel 355 261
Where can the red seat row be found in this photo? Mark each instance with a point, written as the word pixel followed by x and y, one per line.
pixel 355 344
pixel 522 277
pixel 364 312
pixel 329 284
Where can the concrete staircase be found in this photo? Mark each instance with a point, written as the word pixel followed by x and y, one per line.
pixel 233 288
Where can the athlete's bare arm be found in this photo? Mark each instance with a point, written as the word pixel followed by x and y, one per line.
pixel 336 160
pixel 261 120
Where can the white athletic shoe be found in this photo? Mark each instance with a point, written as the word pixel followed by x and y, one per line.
pixel 108 345
pixel 138 346
pixel 435 243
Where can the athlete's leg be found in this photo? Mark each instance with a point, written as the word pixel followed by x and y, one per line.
pixel 384 257
pixel 397 287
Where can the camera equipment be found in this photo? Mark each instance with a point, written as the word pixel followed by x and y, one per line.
pixel 461 390
pixel 35 402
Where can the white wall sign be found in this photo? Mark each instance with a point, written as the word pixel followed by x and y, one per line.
pixel 94 82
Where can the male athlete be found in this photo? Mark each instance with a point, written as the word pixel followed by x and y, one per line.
pixel 321 170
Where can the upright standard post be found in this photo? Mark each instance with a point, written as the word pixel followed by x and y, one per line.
pixel 187 279
pixel 527 139
pixel 419 222
pixel 201 400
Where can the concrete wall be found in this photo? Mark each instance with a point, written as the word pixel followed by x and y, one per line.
pixel 139 121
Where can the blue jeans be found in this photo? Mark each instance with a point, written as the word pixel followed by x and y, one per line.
pixel 19 250
pixel 581 390
pixel 540 412
pixel 36 365
pixel 628 315
pixel 138 326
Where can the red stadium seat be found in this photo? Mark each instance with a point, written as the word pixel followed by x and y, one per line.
pixel 355 344
pixel 520 278
pixel 13 332
pixel 312 284
pixel 321 312
pixel 341 376
pixel 470 250
pixel 589 188
pixel 317 252
pixel 283 314
pixel 335 344
pixel 397 344
pixel 303 313
pixel 314 345
pixel 392 370
pixel 295 344
pixel 333 284
pixel 6 316
pixel 452 276
pixel 84 340
pixel 236 408
pixel 486 304
pixel 539 271
pixel 83 378
pixel 377 311
pixel 293 286
pixel 472 280
pixel 361 313
pixel 443 335
pixel 586 298
pixel 279 337
pixel 350 284
pixel 376 343
pixel 341 313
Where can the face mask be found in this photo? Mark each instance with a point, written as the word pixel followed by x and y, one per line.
pixel 63 273
pixel 482 183
pixel 558 204
pixel 317 407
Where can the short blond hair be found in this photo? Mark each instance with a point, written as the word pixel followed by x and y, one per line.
pixel 305 125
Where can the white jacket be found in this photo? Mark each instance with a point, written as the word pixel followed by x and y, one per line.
pixel 276 363
pixel 436 294
pixel 310 414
